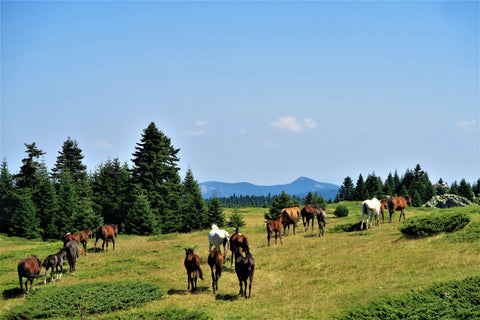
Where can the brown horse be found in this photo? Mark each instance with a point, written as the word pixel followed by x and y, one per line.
pixel 72 237
pixel 238 240
pixel 244 267
pixel 308 212
pixel 290 216
pixel 107 233
pixel 192 264
pixel 215 261
pixel 383 206
pixel 322 221
pixel 398 204
pixel 274 226
pixel 28 268
pixel 83 237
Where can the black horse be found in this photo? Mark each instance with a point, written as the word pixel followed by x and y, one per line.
pixel 54 262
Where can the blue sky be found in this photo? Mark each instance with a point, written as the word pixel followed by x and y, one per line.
pixel 263 92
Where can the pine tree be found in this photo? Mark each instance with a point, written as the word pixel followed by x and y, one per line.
pixel 194 207
pixel 279 203
pixel 68 203
pixel 319 201
pixel 465 190
pixel 140 219
pixel 155 171
pixel 389 185
pixel 24 222
pixel 28 175
pixel 476 188
pixel 70 158
pixel 361 192
pixel 454 188
pixel 347 190
pixel 7 203
pixel 374 185
pixel 416 199
pixel 308 199
pixel 45 199
pixel 215 212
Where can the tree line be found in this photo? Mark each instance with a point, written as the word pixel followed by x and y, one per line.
pixel 148 198
pixel 415 183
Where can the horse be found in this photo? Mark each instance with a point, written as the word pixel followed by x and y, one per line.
pixel 238 240
pixel 244 267
pixel 83 237
pixel 192 264
pixel 322 221
pixel 290 216
pixel 398 204
pixel 215 261
pixel 67 237
pixel 28 268
pixel 72 250
pixel 217 238
pixel 383 206
pixel 55 262
pixel 308 212
pixel 369 207
pixel 107 233
pixel 274 226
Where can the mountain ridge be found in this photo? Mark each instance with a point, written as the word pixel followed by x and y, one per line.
pixel 299 187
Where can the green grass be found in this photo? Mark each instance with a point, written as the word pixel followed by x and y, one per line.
pixel 307 277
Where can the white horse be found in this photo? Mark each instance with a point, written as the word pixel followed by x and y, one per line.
pixel 218 237
pixel 369 207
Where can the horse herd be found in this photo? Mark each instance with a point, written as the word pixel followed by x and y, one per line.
pixel 376 207
pixel 30 267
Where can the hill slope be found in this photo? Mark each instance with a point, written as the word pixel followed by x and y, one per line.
pixel 300 187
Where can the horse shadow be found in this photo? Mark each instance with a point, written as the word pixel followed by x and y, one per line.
pixel 226 297
pixel 183 292
pixel 12 293
pixel 310 235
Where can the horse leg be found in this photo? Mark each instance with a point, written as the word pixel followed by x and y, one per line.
pixel 279 235
pixel 46 272
pixel 249 286
pixel 402 213
pixel 113 241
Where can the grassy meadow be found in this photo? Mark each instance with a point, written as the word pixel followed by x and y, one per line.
pixel 305 278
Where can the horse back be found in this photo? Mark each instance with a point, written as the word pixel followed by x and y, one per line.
pixel 29 267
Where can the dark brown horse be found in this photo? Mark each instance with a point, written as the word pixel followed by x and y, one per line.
pixel 238 240
pixel 192 264
pixel 322 221
pixel 28 268
pixel 244 267
pixel 274 226
pixel 83 237
pixel 383 206
pixel 107 233
pixel 308 212
pixel 215 261
pixel 398 204
pixel 55 263
pixel 290 216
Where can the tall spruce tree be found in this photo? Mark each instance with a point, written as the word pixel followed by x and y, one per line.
pixel 194 207
pixel 140 219
pixel 28 175
pixel 24 222
pixel 361 192
pixel 346 191
pixel 68 203
pixel 7 203
pixel 280 202
pixel 465 190
pixel 70 158
pixel 45 199
pixel 215 211
pixel 155 171
pixel 374 185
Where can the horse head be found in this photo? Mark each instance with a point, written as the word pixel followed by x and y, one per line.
pixel 214 227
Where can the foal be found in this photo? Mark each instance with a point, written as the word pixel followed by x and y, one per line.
pixel 244 267
pixel 215 261
pixel 238 240
pixel 274 226
pixel 55 262
pixel 192 264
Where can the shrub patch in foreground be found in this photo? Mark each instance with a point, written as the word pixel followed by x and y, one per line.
pixel 450 300
pixel 434 223
pixel 83 299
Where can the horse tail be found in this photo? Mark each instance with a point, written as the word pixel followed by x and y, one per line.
pixel 246 246
pixel 218 266
pixel 226 244
pixel 200 272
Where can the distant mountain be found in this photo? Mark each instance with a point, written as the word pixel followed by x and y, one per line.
pixel 300 187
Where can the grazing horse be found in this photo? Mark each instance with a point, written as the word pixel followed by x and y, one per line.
pixel 107 233
pixel 369 207
pixel 192 264
pixel 55 262
pixel 398 204
pixel 83 237
pixel 72 250
pixel 244 267
pixel 290 216
pixel 383 206
pixel 274 226
pixel 28 268
pixel 217 238
pixel 238 240
pixel 215 261
pixel 308 212
pixel 322 221
pixel 67 237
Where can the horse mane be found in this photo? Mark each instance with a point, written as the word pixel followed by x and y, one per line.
pixel 214 227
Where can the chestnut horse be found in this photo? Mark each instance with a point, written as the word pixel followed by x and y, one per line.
pixel 83 237
pixel 192 264
pixel 290 216
pixel 308 212
pixel 238 240
pixel 322 221
pixel 106 233
pixel 398 204
pixel 28 268
pixel 215 261
pixel 274 226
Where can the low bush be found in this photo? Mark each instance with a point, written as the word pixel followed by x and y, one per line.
pixel 83 299
pixel 341 211
pixel 450 300
pixel 170 313
pixel 470 234
pixel 435 223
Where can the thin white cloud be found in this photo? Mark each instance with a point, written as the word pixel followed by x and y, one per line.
pixel 290 123
pixel 201 123
pixel 270 144
pixel 242 131
pixel 103 144
pixel 468 125
pixel 196 133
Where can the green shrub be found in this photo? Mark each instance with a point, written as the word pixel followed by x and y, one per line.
pixel 83 299
pixel 432 224
pixel 341 211
pixel 169 313
pixel 450 300
pixel 470 234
